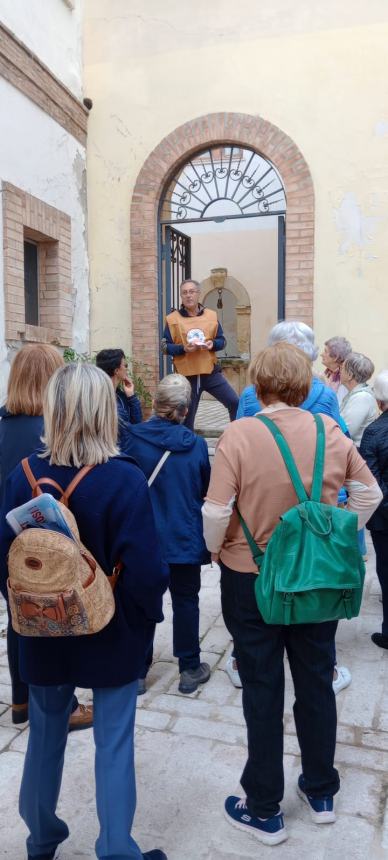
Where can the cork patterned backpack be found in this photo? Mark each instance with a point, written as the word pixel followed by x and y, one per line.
pixel 55 585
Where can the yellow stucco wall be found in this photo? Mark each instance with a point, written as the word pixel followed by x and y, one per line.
pixel 317 71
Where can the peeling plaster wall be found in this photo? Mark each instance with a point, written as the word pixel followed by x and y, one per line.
pixel 52 29
pixel 317 71
pixel 38 156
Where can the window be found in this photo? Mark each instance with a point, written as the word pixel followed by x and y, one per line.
pixel 31 283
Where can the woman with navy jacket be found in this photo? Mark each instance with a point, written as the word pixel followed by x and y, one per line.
pixel 115 520
pixel 177 494
pixel 21 428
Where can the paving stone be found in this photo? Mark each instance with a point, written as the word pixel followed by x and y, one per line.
pixel 152 719
pixel 19 744
pixel 5 694
pixel 360 794
pixel 6 736
pixel 213 731
pixel 218 689
pixel 198 708
pixel 217 639
pixel 358 706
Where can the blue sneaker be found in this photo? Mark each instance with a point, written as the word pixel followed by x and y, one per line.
pixel 321 808
pixel 270 831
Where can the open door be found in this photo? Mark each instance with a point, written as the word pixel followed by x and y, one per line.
pixel 175 268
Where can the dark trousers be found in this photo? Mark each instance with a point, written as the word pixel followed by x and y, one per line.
pixel 216 385
pixel 19 688
pixel 185 584
pixel 380 543
pixel 259 650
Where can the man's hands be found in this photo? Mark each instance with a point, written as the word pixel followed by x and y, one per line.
pixel 128 387
pixel 192 347
pixel 215 557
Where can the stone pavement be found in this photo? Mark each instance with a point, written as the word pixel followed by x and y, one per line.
pixel 190 752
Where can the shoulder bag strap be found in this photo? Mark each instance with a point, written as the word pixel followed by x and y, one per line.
pixel 257 553
pixel 74 483
pixel 158 467
pixel 287 457
pixel 36 485
pixel 316 489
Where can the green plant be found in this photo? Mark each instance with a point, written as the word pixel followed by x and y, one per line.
pixel 137 371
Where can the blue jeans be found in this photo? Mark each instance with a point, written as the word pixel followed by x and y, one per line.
pixel 259 649
pixel 114 717
pixel 184 585
pixel 216 384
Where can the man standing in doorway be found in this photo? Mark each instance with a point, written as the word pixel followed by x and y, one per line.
pixel 192 336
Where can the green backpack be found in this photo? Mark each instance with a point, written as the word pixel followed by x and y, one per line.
pixel 312 569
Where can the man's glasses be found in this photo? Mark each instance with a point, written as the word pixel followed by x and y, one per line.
pixel 188 293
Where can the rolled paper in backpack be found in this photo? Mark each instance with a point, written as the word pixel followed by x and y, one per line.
pixel 195 337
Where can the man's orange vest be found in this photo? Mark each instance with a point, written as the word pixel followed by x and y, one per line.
pixel 200 361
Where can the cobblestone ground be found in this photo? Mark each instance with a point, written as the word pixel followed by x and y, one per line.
pixel 190 752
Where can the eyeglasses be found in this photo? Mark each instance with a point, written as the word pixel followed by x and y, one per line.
pixel 188 292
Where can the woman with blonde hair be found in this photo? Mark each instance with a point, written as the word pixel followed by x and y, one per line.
pixel 177 494
pixel 114 516
pixel 249 474
pixel 21 429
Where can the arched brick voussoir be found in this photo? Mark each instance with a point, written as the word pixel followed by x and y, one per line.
pixel 158 169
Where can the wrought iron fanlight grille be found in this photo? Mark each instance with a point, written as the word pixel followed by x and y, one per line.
pixel 221 182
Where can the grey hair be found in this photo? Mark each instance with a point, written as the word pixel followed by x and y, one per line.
pixel 297 333
pixel 380 387
pixel 339 348
pixel 359 366
pixel 80 417
pixel 190 281
pixel 172 398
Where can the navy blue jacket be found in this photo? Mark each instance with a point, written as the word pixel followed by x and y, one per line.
pixel 172 348
pixel 113 510
pixel 19 437
pixel 178 490
pixel 128 412
pixel 374 449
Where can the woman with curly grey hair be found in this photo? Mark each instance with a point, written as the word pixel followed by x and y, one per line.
pixel 359 407
pixel 336 349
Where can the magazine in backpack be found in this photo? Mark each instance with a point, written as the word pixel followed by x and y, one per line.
pixel 312 569
pixel 55 585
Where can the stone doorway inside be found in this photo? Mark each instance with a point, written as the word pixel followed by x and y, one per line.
pixel 222 222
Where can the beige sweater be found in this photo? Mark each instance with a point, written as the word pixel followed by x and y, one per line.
pixel 248 467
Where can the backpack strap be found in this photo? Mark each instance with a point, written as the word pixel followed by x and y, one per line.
pixel 287 457
pixel 37 484
pixel 316 488
pixel 257 553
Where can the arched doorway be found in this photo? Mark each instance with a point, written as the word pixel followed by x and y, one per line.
pixel 233 130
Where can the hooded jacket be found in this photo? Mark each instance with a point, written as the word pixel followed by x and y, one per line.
pixel 178 490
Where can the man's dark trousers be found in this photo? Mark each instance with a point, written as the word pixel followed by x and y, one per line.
pixel 259 649
pixel 216 384
pixel 380 543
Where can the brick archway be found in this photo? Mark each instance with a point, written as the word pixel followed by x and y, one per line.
pixel 175 149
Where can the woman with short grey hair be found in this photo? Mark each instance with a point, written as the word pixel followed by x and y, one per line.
pixel 374 449
pixel 177 493
pixel 298 333
pixel 358 408
pixel 335 351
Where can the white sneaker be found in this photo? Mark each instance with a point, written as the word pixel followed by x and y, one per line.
pixel 342 680
pixel 232 671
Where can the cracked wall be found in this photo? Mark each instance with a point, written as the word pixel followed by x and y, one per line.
pixel 317 71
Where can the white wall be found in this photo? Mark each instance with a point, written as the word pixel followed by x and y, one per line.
pixel 40 157
pixel 53 31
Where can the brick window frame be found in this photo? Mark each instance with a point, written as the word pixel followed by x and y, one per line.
pixel 154 176
pixel 26 217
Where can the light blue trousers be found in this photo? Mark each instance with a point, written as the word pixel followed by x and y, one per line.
pixel 114 718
